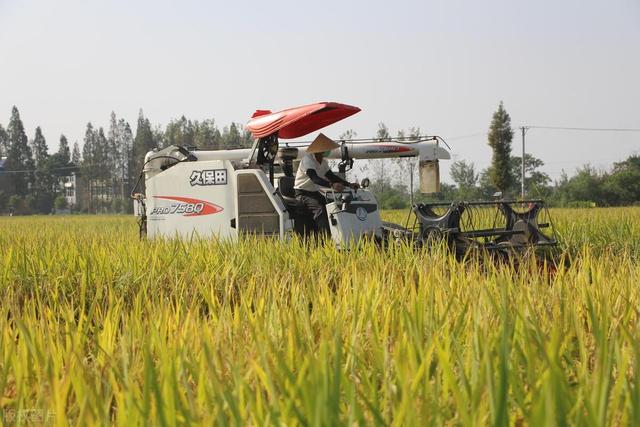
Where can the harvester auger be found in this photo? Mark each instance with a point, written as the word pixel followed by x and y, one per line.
pixel 229 193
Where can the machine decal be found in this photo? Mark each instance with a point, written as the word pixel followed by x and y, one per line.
pixel 209 177
pixel 361 213
pixel 388 149
pixel 186 206
pixel 368 207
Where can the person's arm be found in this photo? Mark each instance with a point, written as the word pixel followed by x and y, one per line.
pixel 335 178
pixel 313 176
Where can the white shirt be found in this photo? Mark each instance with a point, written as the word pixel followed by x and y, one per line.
pixel 303 182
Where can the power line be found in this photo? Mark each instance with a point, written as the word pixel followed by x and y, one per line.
pixel 471 135
pixel 39 170
pixel 586 129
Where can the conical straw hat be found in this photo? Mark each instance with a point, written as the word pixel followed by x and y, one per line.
pixel 322 144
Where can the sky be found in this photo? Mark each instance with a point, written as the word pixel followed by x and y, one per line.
pixel 443 66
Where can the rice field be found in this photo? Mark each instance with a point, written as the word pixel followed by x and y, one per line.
pixel 100 328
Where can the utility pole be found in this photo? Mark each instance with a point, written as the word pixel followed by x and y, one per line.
pixel 524 130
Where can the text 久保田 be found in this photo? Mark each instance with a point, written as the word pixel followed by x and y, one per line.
pixel 208 177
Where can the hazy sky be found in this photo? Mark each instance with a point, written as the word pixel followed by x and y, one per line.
pixel 440 65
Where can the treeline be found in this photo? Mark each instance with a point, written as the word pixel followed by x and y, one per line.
pixel 98 177
pixel 588 187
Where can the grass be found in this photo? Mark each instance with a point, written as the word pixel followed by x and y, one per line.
pixel 100 328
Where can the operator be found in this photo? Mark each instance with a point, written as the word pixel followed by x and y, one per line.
pixel 313 173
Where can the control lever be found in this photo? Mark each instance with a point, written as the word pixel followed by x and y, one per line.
pixel 347 198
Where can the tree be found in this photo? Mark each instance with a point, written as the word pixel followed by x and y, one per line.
pixel 585 186
pixel 487 188
pixel 60 203
pixel 87 170
pixel 158 137
pixel 101 188
pixel 76 157
pixel 39 148
pixel 246 137
pixel 447 193
pixel 536 181
pixel 43 183
pixel 409 163
pixel 466 178
pixel 16 204
pixel 207 136
pixel 124 145
pixel 102 156
pixel 112 156
pixel 231 137
pixel 5 185
pixel 394 198
pixel 19 158
pixel 59 164
pixel 203 135
pixel 464 174
pixel 188 132
pixel 142 144
pixel 347 135
pixel 383 132
pixel 500 137
pixel 4 142
pixel 89 153
pixel 622 186
pixel 381 180
pixel 236 136
pixel 63 149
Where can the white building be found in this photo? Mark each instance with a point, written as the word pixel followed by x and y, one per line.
pixel 69 188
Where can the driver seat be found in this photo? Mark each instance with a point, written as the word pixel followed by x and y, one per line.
pixel 288 194
pixel 303 222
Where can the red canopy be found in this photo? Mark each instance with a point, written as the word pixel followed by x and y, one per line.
pixel 298 121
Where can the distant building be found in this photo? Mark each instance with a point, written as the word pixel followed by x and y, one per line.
pixel 101 191
pixel 69 187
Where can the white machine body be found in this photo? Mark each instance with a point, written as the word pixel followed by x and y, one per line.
pixel 353 219
pixel 211 198
pixel 426 150
pixel 223 194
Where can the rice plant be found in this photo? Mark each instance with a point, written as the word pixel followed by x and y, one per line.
pixel 101 328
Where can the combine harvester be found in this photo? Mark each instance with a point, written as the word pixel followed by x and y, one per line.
pixel 227 193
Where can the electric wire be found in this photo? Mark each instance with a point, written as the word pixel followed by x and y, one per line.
pixel 584 129
pixel 36 170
